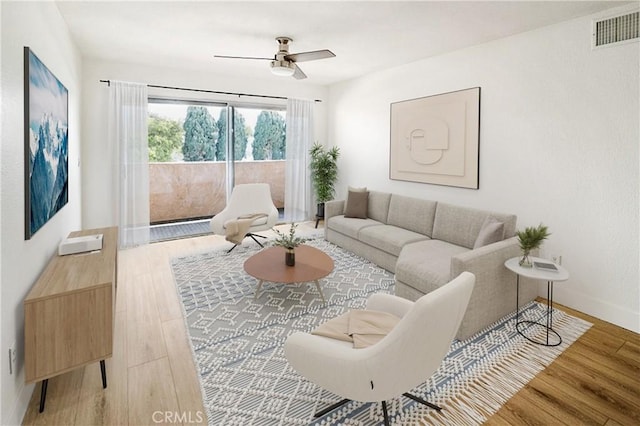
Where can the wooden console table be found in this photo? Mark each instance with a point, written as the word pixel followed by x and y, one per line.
pixel 68 314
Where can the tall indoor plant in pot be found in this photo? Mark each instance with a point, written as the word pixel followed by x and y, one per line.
pixel 530 239
pixel 324 173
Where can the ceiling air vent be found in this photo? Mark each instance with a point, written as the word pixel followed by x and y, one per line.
pixel 616 29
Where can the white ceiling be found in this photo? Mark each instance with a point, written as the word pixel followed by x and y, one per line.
pixel 366 36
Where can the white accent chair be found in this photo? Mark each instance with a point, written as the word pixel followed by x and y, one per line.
pixel 402 360
pixel 246 199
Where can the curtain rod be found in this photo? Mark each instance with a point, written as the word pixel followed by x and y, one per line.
pixel 211 91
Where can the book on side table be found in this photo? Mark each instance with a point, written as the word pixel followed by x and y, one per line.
pixel 546 266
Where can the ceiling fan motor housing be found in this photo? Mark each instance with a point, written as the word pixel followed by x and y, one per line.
pixel 283 48
pixel 283 67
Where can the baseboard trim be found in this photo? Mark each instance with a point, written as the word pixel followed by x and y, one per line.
pixel 20 406
pixel 615 314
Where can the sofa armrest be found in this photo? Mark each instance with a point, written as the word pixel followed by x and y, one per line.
pixel 333 208
pixel 494 293
pixel 486 257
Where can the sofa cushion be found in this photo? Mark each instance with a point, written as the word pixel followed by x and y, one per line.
pixel 461 225
pixel 492 231
pixel 389 238
pixel 350 226
pixel 413 214
pixel 357 202
pixel 426 265
pixel 378 206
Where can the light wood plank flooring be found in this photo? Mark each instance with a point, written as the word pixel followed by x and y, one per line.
pixel 152 379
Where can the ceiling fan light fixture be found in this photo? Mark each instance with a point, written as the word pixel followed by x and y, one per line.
pixel 283 68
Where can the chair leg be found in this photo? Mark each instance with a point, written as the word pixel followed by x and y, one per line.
pixel 385 413
pixel 422 401
pixel 253 237
pixel 331 408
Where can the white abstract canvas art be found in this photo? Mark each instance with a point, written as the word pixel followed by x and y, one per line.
pixel 435 139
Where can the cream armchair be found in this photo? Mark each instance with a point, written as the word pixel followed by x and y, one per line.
pixel 246 199
pixel 402 360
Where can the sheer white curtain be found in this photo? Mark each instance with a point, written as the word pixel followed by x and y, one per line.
pixel 128 139
pixel 297 179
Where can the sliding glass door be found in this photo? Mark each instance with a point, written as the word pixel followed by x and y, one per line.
pixel 259 149
pixel 193 167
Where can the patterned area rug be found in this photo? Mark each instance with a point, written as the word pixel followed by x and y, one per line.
pixel 237 344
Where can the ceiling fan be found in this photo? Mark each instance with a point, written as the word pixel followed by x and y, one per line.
pixel 283 63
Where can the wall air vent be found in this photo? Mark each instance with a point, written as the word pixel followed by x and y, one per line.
pixel 616 30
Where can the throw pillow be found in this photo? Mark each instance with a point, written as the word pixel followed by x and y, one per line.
pixel 363 189
pixel 357 205
pixel 492 231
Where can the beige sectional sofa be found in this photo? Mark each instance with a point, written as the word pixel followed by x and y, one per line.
pixel 427 243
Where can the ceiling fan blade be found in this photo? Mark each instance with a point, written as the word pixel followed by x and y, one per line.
pixel 310 56
pixel 298 74
pixel 241 57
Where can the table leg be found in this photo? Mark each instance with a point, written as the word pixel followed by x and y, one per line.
pixel 43 394
pixel 551 307
pixel 103 373
pixel 255 296
pixel 548 311
pixel 517 299
pixel 548 324
pixel 320 291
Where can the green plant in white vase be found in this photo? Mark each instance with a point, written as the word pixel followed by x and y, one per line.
pixel 530 239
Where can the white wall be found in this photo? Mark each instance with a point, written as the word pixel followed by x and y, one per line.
pixel 558 145
pixel 96 180
pixel 39 26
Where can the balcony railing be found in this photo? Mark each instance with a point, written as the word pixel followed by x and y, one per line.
pixel 186 190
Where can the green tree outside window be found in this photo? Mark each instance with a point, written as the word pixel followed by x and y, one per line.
pixel 200 135
pixel 240 137
pixel 165 138
pixel 269 137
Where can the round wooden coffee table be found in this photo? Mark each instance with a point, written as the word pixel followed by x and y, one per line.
pixel 268 265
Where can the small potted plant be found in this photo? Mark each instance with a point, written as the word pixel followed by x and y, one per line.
pixel 324 173
pixel 289 242
pixel 530 239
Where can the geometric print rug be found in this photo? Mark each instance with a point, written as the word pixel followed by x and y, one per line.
pixel 237 345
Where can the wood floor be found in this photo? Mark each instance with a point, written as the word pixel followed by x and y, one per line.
pixel 152 379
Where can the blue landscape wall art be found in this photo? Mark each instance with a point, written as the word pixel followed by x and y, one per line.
pixel 46 109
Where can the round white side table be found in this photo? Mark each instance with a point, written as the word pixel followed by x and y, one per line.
pixel 550 276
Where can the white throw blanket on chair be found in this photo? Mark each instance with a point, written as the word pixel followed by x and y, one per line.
pixel 362 327
pixel 236 230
